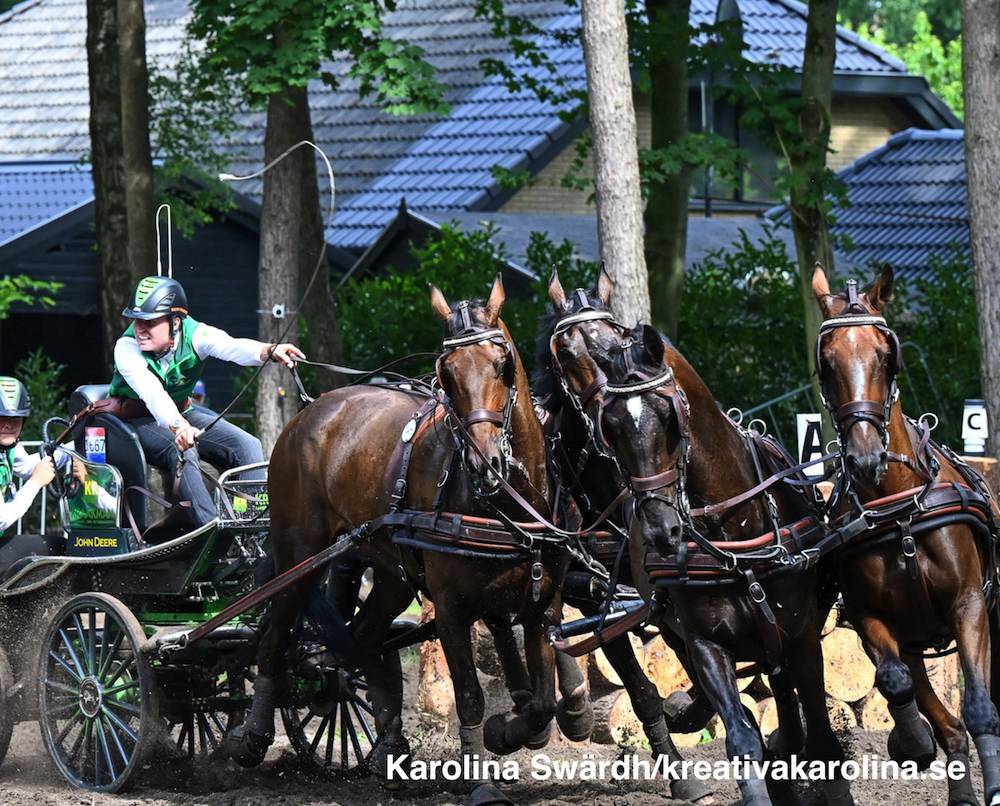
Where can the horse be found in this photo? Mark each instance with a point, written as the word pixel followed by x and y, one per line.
pixel 474 448
pixel 901 594
pixel 593 479
pixel 706 523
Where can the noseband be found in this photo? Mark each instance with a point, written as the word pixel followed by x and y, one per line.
pixel 873 412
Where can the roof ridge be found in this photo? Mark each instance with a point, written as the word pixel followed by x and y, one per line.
pixel 18 9
pixel 803 11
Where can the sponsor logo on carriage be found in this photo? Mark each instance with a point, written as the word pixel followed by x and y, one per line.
pixel 95 542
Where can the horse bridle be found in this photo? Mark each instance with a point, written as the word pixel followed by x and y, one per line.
pixel 873 412
pixel 471 335
pixel 648 488
pixel 581 402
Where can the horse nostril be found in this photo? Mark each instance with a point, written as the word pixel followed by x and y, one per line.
pixel 675 532
pixel 495 463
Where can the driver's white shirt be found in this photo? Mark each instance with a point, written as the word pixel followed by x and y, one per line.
pixel 207 342
pixel 23 464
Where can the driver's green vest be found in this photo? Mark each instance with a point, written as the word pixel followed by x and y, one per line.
pixel 181 374
pixel 6 473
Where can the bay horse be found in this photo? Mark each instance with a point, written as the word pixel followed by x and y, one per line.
pixel 594 480
pixel 360 452
pixel 916 579
pixel 730 547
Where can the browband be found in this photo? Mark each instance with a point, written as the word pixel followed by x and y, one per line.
pixel 473 338
pixel 640 386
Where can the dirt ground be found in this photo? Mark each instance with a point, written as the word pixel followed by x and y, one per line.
pixel 28 779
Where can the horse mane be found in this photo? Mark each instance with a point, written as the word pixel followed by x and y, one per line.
pixel 543 378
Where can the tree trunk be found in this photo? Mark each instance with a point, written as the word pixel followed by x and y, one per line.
pixel 666 215
pixel 812 238
pixel 108 169
pixel 288 249
pixel 981 68
pixel 138 160
pixel 616 156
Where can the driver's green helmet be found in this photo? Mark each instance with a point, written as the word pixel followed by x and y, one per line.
pixel 155 297
pixel 14 400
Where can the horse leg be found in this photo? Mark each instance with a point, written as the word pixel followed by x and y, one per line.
pixel 574 711
pixel 505 733
pixel 970 622
pixel 454 632
pixel 911 739
pixel 790 738
pixel 948 730
pixel 805 661
pixel 648 707
pixel 717 676
pixel 388 598
pixel 514 670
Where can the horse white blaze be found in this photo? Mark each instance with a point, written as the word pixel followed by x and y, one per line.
pixel 634 406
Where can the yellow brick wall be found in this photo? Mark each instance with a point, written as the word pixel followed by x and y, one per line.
pixel 859 126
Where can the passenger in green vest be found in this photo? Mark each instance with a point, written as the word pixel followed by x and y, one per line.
pixel 158 360
pixel 38 472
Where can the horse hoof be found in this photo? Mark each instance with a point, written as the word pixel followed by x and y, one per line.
pixel 923 753
pixel 378 765
pixel 540 739
pixel 488 795
pixel 246 748
pixel 576 725
pixel 777 745
pixel 691 790
pixel 495 738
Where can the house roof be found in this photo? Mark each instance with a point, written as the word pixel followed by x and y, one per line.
pixel 907 201
pixel 437 163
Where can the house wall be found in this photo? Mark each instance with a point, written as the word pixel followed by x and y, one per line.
pixel 859 126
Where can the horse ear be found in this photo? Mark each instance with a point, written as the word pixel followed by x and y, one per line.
pixel 556 293
pixel 496 301
pixel 821 289
pixel 439 303
pixel 652 343
pixel 880 294
pixel 604 285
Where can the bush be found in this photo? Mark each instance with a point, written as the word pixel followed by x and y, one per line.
pixel 742 329
pixel 388 316
pixel 42 377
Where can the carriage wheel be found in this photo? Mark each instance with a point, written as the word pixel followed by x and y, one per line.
pixel 332 726
pixel 95 693
pixel 6 717
pixel 201 732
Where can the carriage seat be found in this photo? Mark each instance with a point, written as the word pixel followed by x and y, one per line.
pixel 122 446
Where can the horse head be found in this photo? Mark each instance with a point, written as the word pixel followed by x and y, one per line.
pixel 857 360
pixel 478 371
pixel 644 420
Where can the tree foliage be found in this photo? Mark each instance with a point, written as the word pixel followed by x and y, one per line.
pixel 27 291
pixel 462 264
pixel 925 54
pixel 895 21
pixel 240 40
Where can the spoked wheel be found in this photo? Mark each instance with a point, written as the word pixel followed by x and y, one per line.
pixel 6 717
pixel 331 724
pixel 201 731
pixel 95 693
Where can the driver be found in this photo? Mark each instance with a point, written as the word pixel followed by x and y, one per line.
pixel 158 361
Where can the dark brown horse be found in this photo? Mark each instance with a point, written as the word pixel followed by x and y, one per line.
pixel 594 479
pixel 908 587
pixel 686 459
pixel 336 467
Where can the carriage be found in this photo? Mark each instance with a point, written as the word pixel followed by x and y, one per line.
pixel 96 629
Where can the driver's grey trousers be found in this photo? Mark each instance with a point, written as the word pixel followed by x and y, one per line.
pixel 224 445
